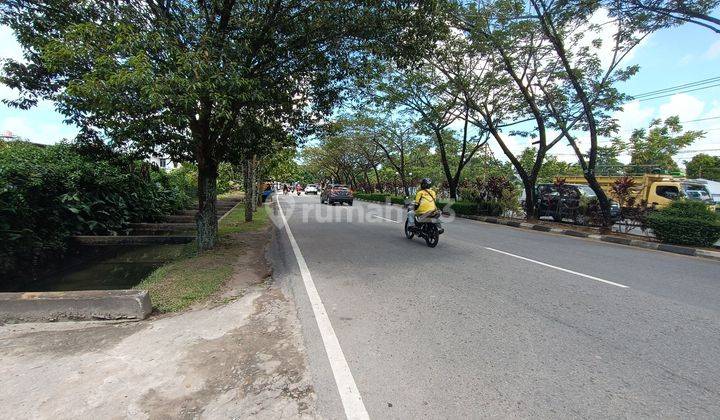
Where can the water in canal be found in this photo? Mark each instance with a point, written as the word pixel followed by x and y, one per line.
pixel 102 268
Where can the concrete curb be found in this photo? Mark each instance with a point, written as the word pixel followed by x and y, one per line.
pixel 74 306
pixel 675 249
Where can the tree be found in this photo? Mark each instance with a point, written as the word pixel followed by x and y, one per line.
pixel 655 147
pixel 608 162
pixel 513 61
pixel 703 166
pixel 436 104
pixel 397 140
pixel 188 76
pixel 551 168
pixel 654 14
pixel 584 93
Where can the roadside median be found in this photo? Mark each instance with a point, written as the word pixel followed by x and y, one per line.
pixel 619 239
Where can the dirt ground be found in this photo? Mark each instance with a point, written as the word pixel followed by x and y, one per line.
pixel 238 356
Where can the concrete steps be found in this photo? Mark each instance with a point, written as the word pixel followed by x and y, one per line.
pixel 133 240
pixel 161 228
pixel 178 218
pixel 192 212
pixel 176 229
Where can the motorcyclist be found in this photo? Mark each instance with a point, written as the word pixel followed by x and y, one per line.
pixel 425 207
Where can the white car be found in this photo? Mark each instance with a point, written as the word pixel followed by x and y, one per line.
pixel 311 189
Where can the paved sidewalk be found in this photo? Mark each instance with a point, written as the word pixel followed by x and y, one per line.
pixel 237 358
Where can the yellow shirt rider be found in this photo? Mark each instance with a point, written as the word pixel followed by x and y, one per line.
pixel 424 202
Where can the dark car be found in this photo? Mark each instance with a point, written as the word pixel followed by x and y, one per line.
pixel 569 201
pixel 336 193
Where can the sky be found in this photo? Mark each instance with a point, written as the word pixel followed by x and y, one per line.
pixel 667 58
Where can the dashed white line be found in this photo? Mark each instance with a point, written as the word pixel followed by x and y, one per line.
pixel 389 220
pixel 349 395
pixel 558 268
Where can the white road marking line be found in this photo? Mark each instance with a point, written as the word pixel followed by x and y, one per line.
pixel 558 268
pixel 389 220
pixel 349 394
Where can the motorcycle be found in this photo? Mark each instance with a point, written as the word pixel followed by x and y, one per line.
pixel 428 229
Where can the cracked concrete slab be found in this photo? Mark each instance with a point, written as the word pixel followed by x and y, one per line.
pixel 244 358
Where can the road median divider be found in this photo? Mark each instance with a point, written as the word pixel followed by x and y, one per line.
pixel 614 239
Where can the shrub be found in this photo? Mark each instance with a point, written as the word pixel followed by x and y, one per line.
pixel 49 193
pixel 465 208
pixel 184 178
pixel 686 223
pixel 371 197
pixel 492 196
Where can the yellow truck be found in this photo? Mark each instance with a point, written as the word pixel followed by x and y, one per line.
pixel 656 190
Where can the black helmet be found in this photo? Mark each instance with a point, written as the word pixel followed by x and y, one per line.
pixel 425 183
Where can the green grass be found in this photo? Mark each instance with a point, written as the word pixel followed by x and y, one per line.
pixel 232 195
pixel 194 277
pixel 235 221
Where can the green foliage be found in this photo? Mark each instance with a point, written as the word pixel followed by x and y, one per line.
pixel 551 167
pixel 185 177
pixel 229 179
pixel 493 195
pixel 49 193
pixel 686 222
pixel 703 166
pixel 608 162
pixel 655 147
pixel 466 208
pixel 372 197
pixel 205 82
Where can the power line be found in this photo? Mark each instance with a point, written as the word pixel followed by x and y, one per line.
pixel 700 119
pixel 697 151
pixel 677 93
pixel 677 87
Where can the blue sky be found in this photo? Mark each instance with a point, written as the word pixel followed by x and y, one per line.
pixel 667 58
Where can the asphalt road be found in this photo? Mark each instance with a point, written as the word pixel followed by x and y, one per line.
pixel 501 322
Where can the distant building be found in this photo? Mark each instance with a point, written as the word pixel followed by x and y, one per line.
pixel 163 162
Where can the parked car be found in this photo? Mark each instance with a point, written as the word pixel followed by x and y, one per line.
pixel 569 201
pixel 311 189
pixel 336 193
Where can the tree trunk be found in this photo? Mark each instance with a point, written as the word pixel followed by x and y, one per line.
pixel 377 178
pixel 253 177
pixel 530 198
pixel 439 141
pixel 247 184
pixel 602 197
pixel 206 218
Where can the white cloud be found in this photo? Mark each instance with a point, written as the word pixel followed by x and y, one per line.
pixel 713 51
pixel 633 116
pixel 686 59
pixel 41 124
pixel 687 107
pixel 607 28
pixel 515 144
pixel 9 47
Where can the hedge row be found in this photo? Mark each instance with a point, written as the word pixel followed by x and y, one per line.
pixel 686 223
pixel 466 208
pixel 49 193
